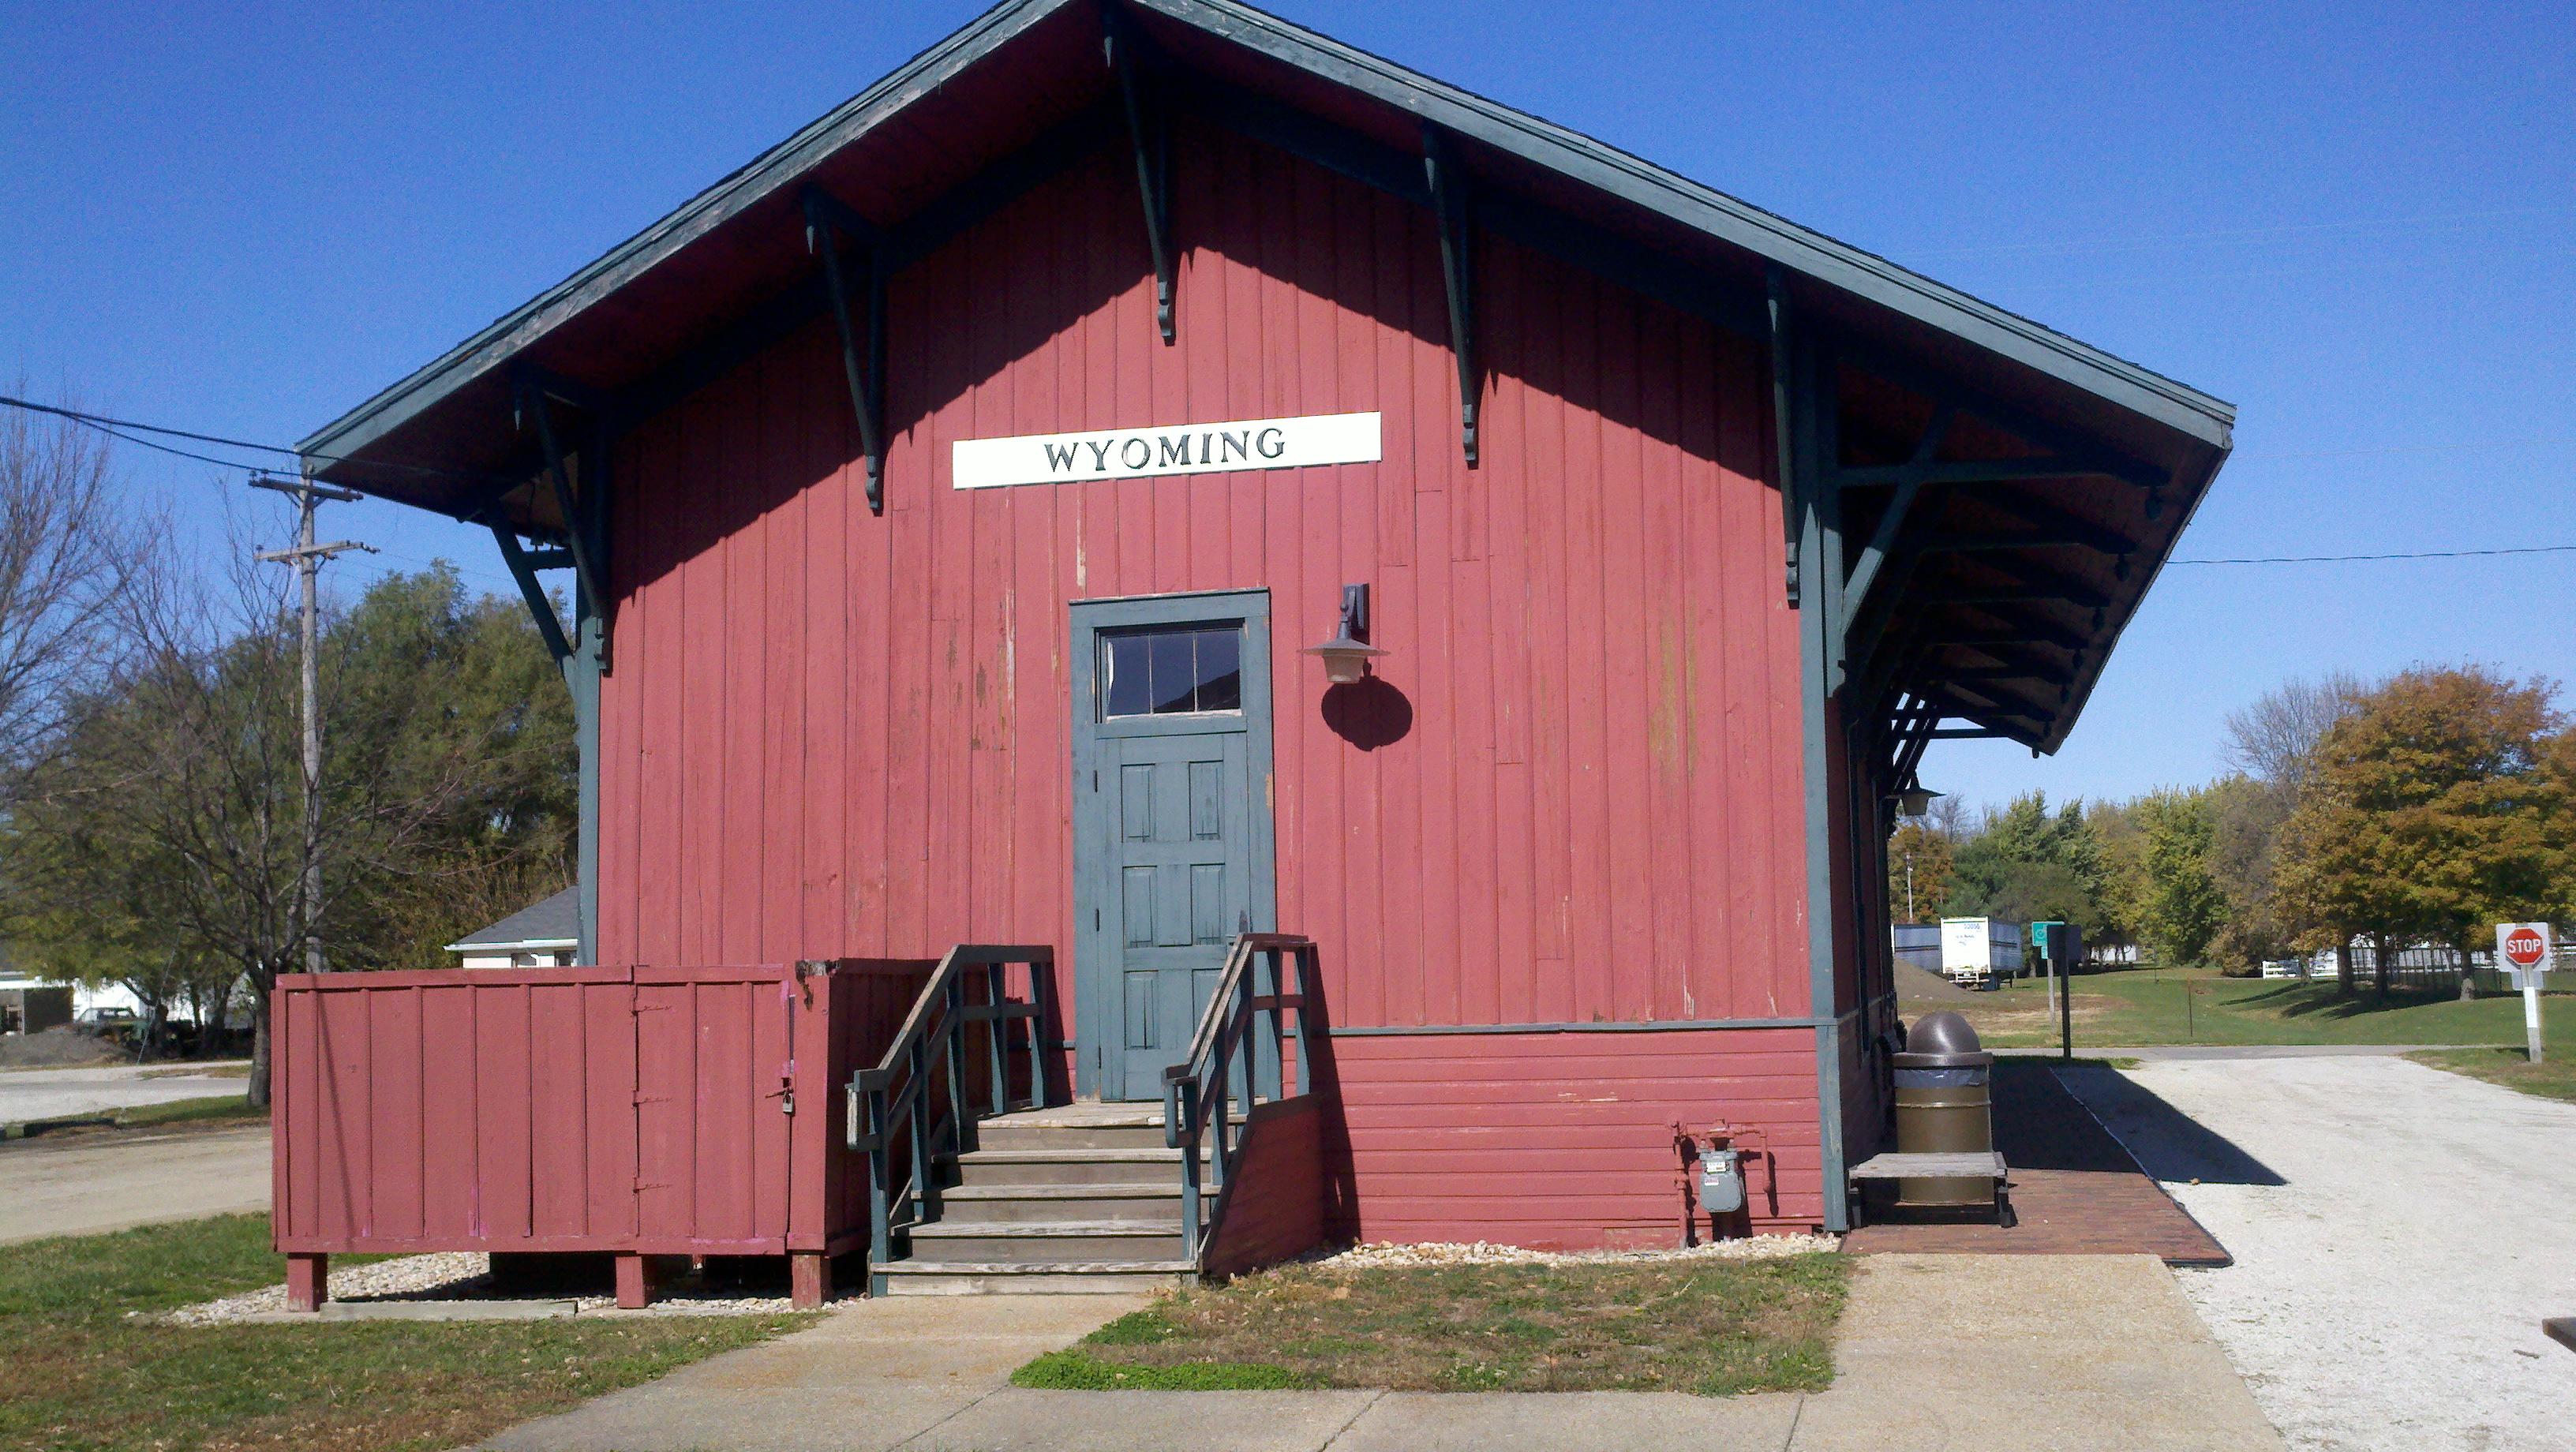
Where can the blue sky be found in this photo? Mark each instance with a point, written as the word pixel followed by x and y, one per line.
pixel 2352 221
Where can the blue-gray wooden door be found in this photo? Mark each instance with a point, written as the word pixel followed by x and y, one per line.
pixel 1172 849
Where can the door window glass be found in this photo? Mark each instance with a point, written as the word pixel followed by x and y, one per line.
pixel 1185 670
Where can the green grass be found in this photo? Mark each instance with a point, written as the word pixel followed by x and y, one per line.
pixel 86 1373
pixel 2146 1006
pixel 1078 1370
pixel 1711 1327
pixel 2554 1077
pixel 212 1113
pixel 231 1109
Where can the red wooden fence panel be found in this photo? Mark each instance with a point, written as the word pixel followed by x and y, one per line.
pixel 646 1111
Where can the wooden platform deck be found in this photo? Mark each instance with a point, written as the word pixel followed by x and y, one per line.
pixel 2075 1191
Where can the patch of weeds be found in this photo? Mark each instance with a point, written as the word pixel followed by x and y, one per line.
pixel 2551 1078
pixel 1136 1328
pixel 1079 1370
pixel 1714 1327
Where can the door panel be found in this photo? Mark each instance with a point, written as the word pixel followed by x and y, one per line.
pixel 1184 889
pixel 1171 748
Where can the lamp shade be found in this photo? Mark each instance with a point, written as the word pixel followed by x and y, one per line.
pixel 1346 655
pixel 1915 801
pixel 1345 660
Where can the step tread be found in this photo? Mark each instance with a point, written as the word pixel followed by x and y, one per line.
pixel 1105 1190
pixel 1072 1155
pixel 1041 1229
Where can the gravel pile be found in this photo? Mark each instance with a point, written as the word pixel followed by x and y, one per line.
pixel 467 1276
pixel 1439 1253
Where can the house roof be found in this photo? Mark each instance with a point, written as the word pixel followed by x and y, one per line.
pixel 552 923
pixel 1022 88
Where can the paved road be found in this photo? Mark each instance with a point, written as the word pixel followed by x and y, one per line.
pixel 30 1094
pixel 72 1188
pixel 2399 1234
pixel 2080 1353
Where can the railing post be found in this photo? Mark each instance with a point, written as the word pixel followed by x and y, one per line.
pixel 917 1064
pixel 997 978
pixel 1267 1078
pixel 1239 1063
pixel 880 1188
pixel 961 1128
pixel 1220 1142
pixel 1178 1097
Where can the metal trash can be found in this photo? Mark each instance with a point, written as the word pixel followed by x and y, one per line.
pixel 1944 1105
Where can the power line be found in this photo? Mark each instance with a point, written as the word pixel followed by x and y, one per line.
pixel 107 425
pixel 2405 555
pixel 111 426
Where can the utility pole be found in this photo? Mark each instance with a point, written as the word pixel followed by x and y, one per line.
pixel 307 558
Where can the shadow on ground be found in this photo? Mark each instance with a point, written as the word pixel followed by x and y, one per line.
pixel 2168 1144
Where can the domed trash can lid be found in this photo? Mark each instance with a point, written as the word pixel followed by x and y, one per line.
pixel 1943 1040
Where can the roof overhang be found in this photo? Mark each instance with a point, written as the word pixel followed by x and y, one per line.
pixel 1022 91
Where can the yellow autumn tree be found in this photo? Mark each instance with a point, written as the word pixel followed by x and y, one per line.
pixel 2438 806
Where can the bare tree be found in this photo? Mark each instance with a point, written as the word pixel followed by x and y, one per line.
pixel 180 812
pixel 66 549
pixel 2274 740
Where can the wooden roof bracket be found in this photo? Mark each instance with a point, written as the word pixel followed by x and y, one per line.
pixel 585 515
pixel 1149 131
pixel 1453 204
pixel 827 221
pixel 524 565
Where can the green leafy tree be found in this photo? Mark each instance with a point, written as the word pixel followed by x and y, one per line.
pixel 172 830
pixel 2030 864
pixel 2245 818
pixel 2181 909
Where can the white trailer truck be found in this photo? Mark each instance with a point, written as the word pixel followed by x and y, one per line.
pixel 1981 952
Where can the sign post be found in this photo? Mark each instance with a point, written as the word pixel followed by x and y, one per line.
pixel 2526 949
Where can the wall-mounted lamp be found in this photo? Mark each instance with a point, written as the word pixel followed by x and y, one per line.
pixel 1346 655
pixel 1915 801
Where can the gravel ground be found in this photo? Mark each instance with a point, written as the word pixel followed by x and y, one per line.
pixel 2399 1234
pixel 30 1094
pixel 1431 1253
pixel 465 1276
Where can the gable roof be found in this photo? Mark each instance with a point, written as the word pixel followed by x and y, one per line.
pixel 554 922
pixel 1021 91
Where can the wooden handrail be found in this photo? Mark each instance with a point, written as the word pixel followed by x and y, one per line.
pixel 939 1017
pixel 1225 1054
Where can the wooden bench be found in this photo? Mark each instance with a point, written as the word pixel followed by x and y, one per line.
pixel 1973 1165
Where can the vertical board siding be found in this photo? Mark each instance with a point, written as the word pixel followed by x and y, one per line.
pixel 831 733
pixel 1567 1139
pixel 1590 813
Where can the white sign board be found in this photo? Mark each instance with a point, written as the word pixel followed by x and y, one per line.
pixel 2525 951
pixel 1196 448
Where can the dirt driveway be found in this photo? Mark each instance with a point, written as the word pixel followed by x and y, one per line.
pixel 79 1188
pixel 30 1094
pixel 2399 1233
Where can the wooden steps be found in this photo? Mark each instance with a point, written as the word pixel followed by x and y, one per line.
pixel 1073 1199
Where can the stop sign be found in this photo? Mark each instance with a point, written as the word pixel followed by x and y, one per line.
pixel 2524 947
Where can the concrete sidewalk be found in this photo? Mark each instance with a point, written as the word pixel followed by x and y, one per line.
pixel 1990 1352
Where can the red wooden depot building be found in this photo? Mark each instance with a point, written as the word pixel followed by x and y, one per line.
pixel 951 497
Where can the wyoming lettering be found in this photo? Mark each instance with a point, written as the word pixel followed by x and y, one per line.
pixel 1196 448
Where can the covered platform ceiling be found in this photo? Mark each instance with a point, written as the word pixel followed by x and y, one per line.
pixel 2002 494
